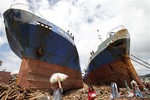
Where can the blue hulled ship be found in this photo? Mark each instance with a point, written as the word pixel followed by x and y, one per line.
pixel 44 49
pixel 111 61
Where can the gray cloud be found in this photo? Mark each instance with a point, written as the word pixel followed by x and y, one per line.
pixel 53 2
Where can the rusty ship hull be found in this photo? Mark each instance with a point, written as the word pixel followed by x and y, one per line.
pixel 44 49
pixel 111 62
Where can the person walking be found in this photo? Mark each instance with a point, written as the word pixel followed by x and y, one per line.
pixel 114 89
pixel 135 87
pixel 58 90
pixel 91 93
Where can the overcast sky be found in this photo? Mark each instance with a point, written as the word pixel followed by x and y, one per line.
pixel 83 18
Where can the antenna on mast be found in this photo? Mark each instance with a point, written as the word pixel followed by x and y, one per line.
pixel 99 36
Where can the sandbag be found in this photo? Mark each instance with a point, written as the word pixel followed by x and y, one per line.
pixel 53 78
pixel 93 95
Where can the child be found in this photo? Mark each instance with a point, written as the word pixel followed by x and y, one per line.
pixel 91 93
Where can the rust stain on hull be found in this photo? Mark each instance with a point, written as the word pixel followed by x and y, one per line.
pixel 111 62
pixel 36 74
pixel 118 71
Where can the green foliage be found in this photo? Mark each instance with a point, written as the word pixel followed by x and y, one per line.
pixel 1 62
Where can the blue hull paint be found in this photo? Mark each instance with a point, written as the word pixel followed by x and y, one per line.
pixel 109 55
pixel 111 62
pixel 27 34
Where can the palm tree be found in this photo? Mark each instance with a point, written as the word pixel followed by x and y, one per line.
pixel 1 62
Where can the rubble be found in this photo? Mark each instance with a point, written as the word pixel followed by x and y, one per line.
pixel 14 92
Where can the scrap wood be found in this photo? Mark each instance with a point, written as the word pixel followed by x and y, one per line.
pixel 14 93
pixel 31 95
pixel 36 97
pixel 3 98
pixel 13 96
pixel 20 97
pixel 6 96
pixel 4 92
pixel 4 86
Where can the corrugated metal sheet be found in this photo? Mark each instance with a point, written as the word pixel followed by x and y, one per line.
pixel 4 77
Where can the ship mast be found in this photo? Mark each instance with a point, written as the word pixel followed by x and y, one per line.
pixel 99 36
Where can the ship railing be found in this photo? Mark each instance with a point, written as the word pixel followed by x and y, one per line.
pixel 115 30
pixel 26 8
pixel 35 11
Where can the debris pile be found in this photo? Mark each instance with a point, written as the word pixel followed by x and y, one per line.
pixel 14 92
pixel 102 92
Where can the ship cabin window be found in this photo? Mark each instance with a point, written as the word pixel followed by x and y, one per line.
pixel 109 43
pixel 38 23
pixel 50 27
pixel 44 25
pixel 111 33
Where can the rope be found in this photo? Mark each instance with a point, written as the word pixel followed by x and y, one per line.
pixel 27 6
pixel 139 63
pixel 140 59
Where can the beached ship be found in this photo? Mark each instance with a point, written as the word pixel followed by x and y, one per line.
pixel 111 61
pixel 44 49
